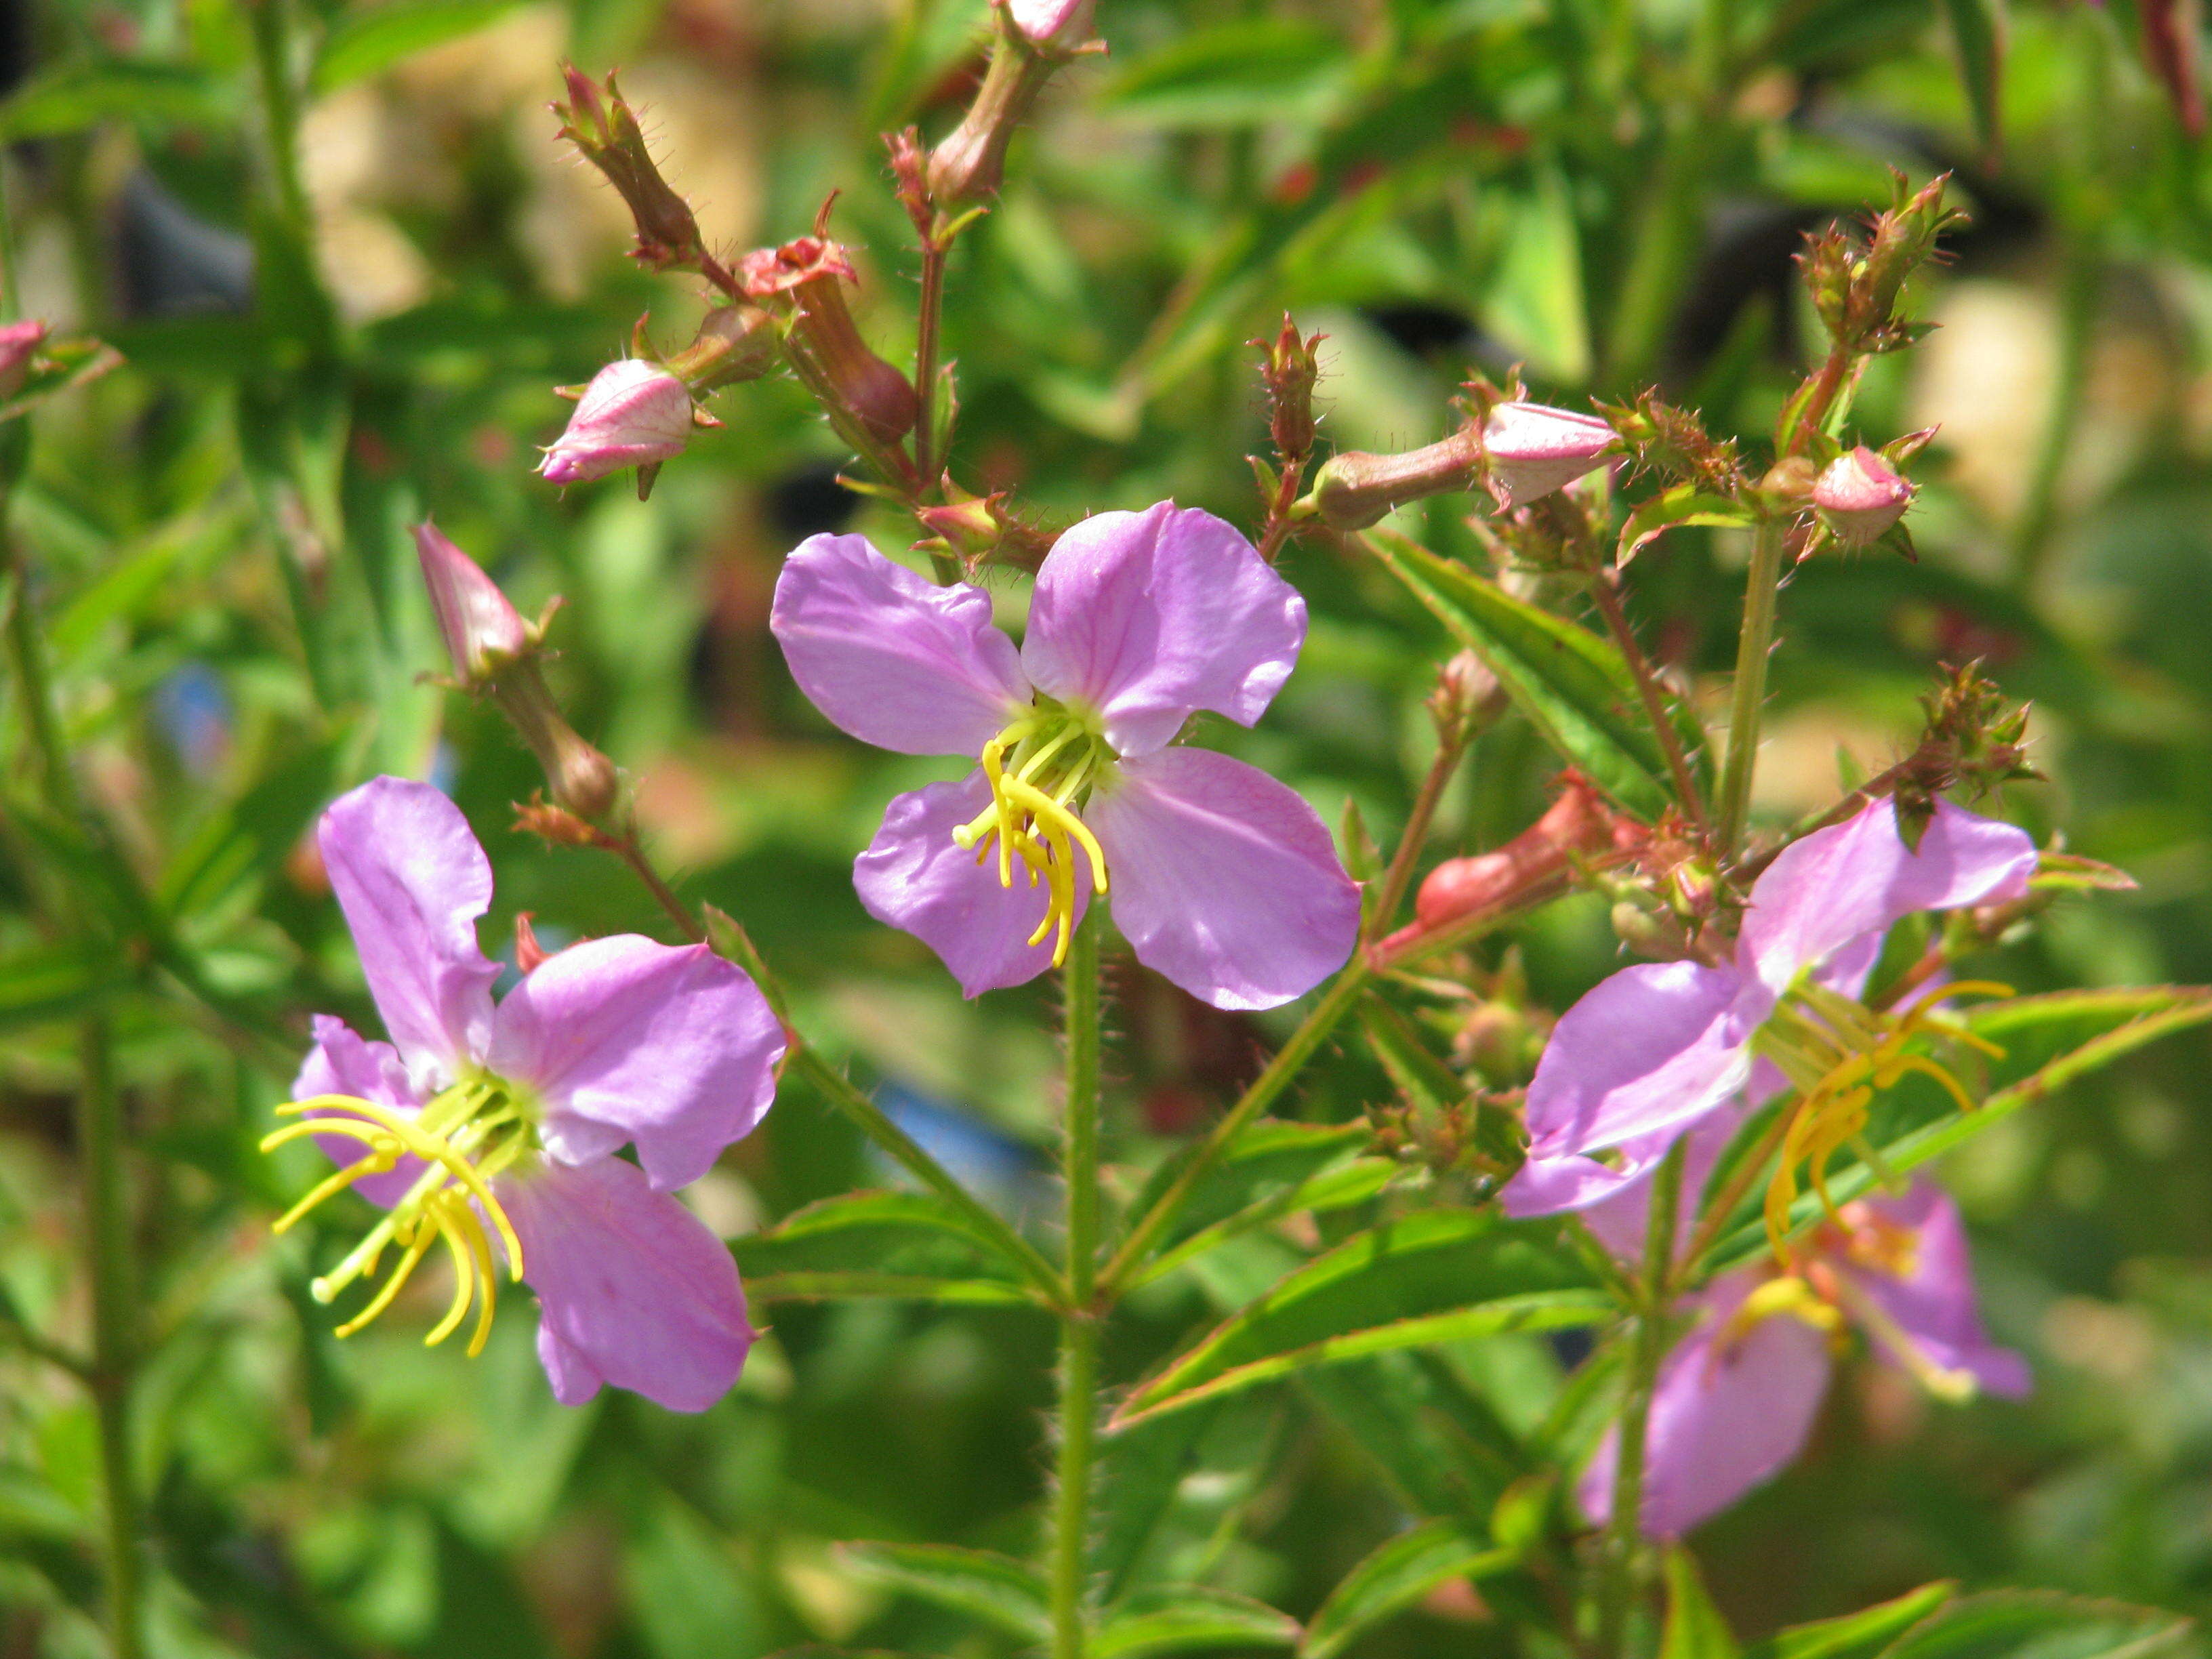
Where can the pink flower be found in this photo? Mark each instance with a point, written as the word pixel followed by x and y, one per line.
pixel 1659 1047
pixel 1061 23
pixel 634 413
pixel 483 630
pixel 1534 449
pixel 1222 880
pixel 1737 1397
pixel 477 1122
pixel 1860 496
pixel 19 343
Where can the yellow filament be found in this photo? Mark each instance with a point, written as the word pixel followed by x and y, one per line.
pixel 464 1277
pixel 431 1149
pixel 1038 827
pixel 418 1236
pixel 480 1248
pixel 383 1154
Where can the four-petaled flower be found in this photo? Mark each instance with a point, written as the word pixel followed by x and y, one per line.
pixel 1657 1047
pixel 1222 880
pixel 1737 1396
pixel 489 1126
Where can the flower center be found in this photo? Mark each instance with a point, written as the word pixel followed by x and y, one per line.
pixel 1839 1055
pixel 462 1137
pixel 1041 769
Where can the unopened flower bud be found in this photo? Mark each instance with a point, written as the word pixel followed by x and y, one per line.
pixel 970 526
pixel 483 632
pixel 1290 366
pixel 803 280
pixel 634 413
pixel 1054 25
pixel 18 341
pixel 1467 693
pixel 735 343
pixel 1534 449
pixel 1354 489
pixel 1860 496
pixel 606 132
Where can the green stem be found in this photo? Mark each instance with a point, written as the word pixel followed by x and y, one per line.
pixel 114 1328
pixel 1607 595
pixel 1753 648
pixel 1336 1002
pixel 272 49
pixel 844 1094
pixel 1617 1567
pixel 1078 1405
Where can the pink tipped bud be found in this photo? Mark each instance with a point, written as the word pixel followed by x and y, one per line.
pixel 483 633
pixel 1051 25
pixel 634 413
pixel 1861 496
pixel 17 341
pixel 1534 449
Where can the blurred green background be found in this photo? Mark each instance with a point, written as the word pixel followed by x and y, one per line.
pixel 346 263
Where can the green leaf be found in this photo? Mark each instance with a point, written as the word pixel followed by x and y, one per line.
pixel 1182 1618
pixel 880 1243
pixel 369 39
pixel 236 848
pixel 59 365
pixel 1008 1592
pixel 1240 74
pixel 1440 1276
pixel 1860 1635
pixel 1978 31
pixel 51 981
pixel 1537 305
pixel 1684 504
pixel 1141 1473
pixel 1694 1627
pixel 1395 1576
pixel 848 1286
pixel 2040 1625
pixel 1428 1083
pixel 82 94
pixel 1573 686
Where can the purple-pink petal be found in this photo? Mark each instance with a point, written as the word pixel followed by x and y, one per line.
pixel 1732 1410
pixel 623 1039
pixel 412 881
pixel 1933 1304
pixel 1222 880
pixel 342 1062
pixel 1650 1049
pixel 913 877
pixel 1147 617
pixel 1841 885
pixel 1621 1219
pixel 633 1290
pixel 891 657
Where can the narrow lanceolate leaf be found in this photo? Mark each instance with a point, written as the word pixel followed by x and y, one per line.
pixel 877 1243
pixel 1187 1619
pixel 1572 685
pixel 1008 1592
pixel 1441 1276
pixel 1395 1576
pixel 1333 1189
pixel 1694 1627
pixel 2050 1041
pixel 1269 1158
pixel 1978 30
pixel 1671 509
pixel 2039 1625
pixel 1861 1635
pixel 365 43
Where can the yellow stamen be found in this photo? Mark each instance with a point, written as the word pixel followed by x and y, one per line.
pixel 431 1149
pixel 1033 819
pixel 418 1236
pixel 464 1277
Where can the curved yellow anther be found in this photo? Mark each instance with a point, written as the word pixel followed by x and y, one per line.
pixel 431 1149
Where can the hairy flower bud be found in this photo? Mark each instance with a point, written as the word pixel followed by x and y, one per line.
pixel 1289 367
pixel 18 341
pixel 606 132
pixel 483 632
pixel 803 280
pixel 1035 37
pixel 1860 496
pixel 1354 489
pixel 634 413
pixel 1534 449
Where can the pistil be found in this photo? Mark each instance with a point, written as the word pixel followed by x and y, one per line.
pixel 1055 760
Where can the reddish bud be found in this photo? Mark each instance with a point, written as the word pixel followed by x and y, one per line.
pixel 529 955
pixel 18 343
pixel 483 633
pixel 1035 37
pixel 1534 449
pixel 1290 366
pixel 607 134
pixel 803 281
pixel 1354 489
pixel 1860 496
pixel 634 413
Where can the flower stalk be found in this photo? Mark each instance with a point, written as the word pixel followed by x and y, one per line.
pixel 1077 1408
pixel 1754 646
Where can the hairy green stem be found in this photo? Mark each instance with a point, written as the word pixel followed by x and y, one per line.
pixel 1336 1002
pixel 1607 595
pixel 1078 1405
pixel 1617 1566
pixel 1754 646
pixel 114 1328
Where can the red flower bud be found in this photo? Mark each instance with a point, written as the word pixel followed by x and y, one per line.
pixel 1860 496
pixel 803 281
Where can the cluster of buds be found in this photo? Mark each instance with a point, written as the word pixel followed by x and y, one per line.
pixel 1672 444
pixel 1034 37
pixel 1855 287
pixel 1520 450
pixel 1674 905
pixel 1975 738
pixel 495 653
pixel 871 402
